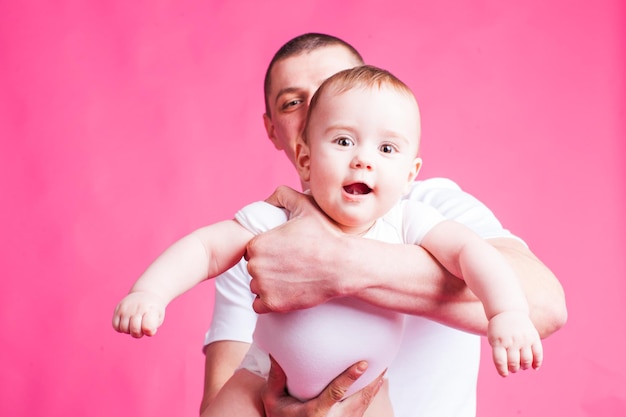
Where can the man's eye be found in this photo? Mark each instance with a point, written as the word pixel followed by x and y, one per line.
pixel 291 103
pixel 387 148
pixel 344 142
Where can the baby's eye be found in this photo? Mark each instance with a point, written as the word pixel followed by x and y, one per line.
pixel 344 142
pixel 387 148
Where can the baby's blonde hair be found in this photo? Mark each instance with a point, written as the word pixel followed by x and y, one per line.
pixel 364 76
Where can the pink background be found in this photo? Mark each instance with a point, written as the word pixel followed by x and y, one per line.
pixel 124 125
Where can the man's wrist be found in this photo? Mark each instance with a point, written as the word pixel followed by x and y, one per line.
pixel 350 271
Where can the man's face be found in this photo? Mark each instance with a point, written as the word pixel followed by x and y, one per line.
pixel 294 80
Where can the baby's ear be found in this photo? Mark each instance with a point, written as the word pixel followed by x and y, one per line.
pixel 303 159
pixel 416 165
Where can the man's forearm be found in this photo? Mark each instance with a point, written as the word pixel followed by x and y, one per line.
pixel 403 278
pixel 407 278
pixel 544 292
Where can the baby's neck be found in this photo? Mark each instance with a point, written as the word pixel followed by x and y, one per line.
pixel 358 230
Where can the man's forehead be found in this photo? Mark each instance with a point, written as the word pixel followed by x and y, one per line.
pixel 310 68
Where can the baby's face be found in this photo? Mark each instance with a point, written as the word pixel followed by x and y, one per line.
pixel 363 147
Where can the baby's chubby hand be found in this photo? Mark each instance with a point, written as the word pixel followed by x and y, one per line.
pixel 139 313
pixel 515 342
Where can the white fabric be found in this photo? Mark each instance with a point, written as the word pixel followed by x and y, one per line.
pixel 436 369
pixel 315 345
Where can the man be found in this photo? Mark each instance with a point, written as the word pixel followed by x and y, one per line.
pixel 435 372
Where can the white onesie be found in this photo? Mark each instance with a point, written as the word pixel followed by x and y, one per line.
pixel 315 345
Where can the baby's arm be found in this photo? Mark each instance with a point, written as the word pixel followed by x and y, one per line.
pixel 202 254
pixel 513 337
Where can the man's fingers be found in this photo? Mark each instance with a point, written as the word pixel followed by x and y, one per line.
pixel 276 379
pixel 336 390
pixel 275 388
pixel 277 401
pixel 296 203
pixel 357 403
pixel 259 306
pixel 368 393
pixel 283 197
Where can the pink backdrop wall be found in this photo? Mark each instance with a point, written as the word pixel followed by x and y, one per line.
pixel 124 125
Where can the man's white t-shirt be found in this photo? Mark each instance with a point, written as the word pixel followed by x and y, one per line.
pixel 435 370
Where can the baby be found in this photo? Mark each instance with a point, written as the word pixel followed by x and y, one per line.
pixel 359 154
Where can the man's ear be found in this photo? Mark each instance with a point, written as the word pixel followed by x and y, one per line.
pixel 416 165
pixel 269 128
pixel 303 159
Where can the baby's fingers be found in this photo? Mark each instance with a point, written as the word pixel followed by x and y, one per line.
pixel 120 322
pixel 526 357
pixel 500 360
pixel 145 323
pixel 135 325
pixel 116 321
pixel 537 350
pixel 139 314
pixel 513 359
pixel 152 320
pixel 121 319
pixel 532 355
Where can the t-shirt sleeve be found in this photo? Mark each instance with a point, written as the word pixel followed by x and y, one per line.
pixel 233 316
pixel 417 220
pixel 260 217
pixel 448 199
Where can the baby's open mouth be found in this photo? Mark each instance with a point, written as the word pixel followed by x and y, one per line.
pixel 357 188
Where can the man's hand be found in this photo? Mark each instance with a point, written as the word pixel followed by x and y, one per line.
pixel 288 276
pixel 278 403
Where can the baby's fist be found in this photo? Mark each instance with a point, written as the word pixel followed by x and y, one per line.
pixel 138 314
